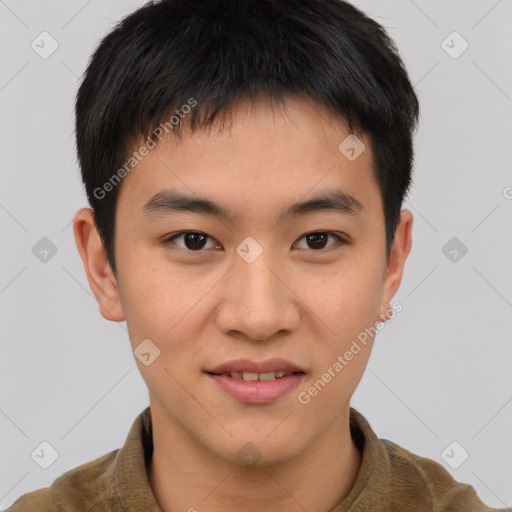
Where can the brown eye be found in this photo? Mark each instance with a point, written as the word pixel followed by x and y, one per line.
pixel 318 240
pixel 192 240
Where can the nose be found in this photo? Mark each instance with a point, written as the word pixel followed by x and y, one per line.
pixel 258 300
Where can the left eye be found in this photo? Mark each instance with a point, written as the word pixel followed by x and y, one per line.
pixel 195 241
pixel 318 239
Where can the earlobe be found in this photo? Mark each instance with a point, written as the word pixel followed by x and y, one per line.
pixel 384 313
pixel 94 258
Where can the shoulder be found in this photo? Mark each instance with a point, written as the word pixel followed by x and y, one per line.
pixel 422 479
pixel 80 489
pixel 35 501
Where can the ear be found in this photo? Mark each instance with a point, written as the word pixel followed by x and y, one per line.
pixel 94 257
pixel 395 266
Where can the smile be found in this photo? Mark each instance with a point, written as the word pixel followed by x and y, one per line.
pixel 250 376
pixel 257 388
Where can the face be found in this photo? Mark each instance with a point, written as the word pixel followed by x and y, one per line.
pixel 262 281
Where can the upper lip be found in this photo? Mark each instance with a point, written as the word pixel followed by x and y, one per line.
pixel 244 365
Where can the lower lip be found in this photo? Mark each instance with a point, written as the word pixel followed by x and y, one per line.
pixel 257 391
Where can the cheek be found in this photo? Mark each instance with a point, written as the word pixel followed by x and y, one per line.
pixel 154 293
pixel 163 309
pixel 149 311
pixel 345 310
pixel 347 300
pixel 167 306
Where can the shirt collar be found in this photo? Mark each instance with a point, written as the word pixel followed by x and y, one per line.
pixel 371 489
pixel 130 468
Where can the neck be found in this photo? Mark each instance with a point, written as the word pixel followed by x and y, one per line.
pixel 186 476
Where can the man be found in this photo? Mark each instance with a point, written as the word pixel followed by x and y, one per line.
pixel 246 163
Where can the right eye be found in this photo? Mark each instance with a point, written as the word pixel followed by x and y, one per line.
pixel 194 241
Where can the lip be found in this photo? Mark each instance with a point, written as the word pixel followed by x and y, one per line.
pixel 244 365
pixel 257 392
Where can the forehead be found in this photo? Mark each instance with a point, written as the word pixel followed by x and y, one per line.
pixel 263 155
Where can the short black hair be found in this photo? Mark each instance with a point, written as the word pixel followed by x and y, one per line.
pixel 170 55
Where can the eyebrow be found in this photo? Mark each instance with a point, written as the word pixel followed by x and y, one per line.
pixel 170 201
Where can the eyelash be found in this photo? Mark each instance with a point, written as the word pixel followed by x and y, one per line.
pixel 340 240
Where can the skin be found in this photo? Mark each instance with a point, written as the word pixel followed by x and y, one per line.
pixel 204 308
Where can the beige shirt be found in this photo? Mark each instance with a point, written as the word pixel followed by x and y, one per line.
pixel 390 479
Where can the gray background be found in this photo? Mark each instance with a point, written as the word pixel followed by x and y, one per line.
pixel 440 370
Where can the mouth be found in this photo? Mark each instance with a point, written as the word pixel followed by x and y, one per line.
pixel 256 388
pixel 252 382
pixel 253 376
pixel 251 370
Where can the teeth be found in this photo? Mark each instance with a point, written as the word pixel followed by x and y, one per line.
pixel 251 376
